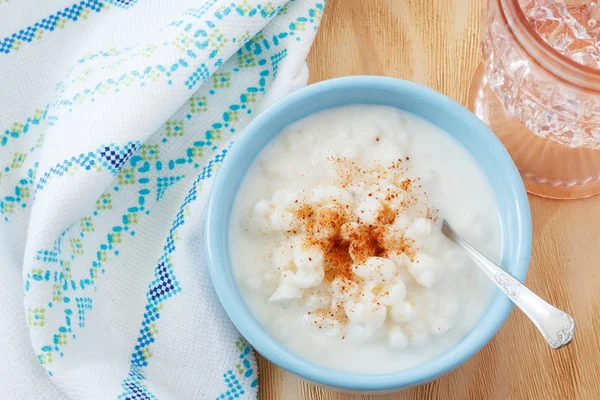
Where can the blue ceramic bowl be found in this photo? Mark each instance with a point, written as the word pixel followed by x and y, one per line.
pixel 436 108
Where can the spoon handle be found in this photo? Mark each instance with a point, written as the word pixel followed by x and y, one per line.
pixel 556 326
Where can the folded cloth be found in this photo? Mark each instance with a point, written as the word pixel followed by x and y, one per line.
pixel 115 116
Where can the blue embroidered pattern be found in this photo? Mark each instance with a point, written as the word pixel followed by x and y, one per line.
pixel 163 183
pixel 234 387
pixel 189 41
pixel 123 3
pixel 19 129
pixel 220 80
pixel 164 286
pixel 77 11
pixel 147 171
pixel 111 157
pixel 244 369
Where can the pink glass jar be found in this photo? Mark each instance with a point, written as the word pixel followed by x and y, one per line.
pixel 543 105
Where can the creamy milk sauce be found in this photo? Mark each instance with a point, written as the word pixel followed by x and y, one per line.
pixel 336 244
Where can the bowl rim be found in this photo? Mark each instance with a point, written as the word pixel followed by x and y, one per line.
pixel 495 314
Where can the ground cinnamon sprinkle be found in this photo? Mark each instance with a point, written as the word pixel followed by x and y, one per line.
pixel 367 241
pixel 337 259
pixel 386 215
pixel 304 213
pixel 405 184
pixel 344 240
pixel 432 214
pixel 323 230
pixel 337 314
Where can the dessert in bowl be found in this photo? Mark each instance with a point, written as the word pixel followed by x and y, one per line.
pixel 324 240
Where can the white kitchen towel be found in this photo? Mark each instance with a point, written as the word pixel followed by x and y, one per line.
pixel 115 116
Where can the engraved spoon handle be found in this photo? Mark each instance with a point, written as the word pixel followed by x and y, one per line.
pixel 555 325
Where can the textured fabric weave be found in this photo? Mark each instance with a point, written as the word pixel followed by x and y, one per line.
pixel 115 116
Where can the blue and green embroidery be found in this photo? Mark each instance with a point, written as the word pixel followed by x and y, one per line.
pixel 123 3
pixel 81 10
pixel 189 42
pixel 110 157
pixel 18 129
pixel 150 171
pixel 77 11
pixel 164 286
pixel 235 379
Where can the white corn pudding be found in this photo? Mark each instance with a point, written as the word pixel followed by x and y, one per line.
pixel 336 245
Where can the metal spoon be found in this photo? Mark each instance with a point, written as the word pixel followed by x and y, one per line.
pixel 555 325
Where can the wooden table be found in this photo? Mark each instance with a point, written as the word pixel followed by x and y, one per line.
pixel 435 43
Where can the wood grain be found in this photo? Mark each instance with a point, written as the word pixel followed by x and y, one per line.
pixel 435 43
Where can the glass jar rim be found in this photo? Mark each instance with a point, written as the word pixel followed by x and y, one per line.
pixel 542 54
